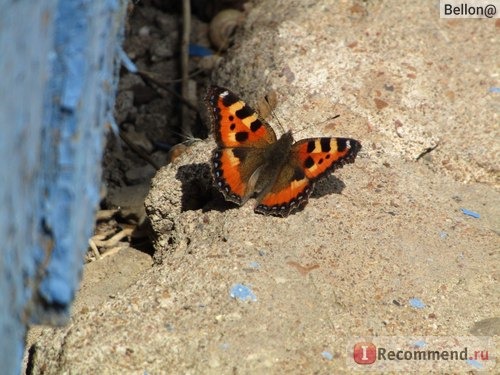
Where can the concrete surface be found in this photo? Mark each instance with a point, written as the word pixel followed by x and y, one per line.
pixel 383 248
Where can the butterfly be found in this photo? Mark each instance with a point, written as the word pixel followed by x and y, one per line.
pixel 250 160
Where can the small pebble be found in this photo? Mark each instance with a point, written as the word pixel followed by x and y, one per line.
pixel 327 355
pixel 242 292
pixel 144 31
pixel 474 363
pixel 254 264
pixel 419 344
pixel 417 303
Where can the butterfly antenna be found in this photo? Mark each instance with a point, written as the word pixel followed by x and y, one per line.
pixel 322 122
pixel 271 110
pixel 305 127
pixel 318 123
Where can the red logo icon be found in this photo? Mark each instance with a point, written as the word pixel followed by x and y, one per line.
pixel 364 353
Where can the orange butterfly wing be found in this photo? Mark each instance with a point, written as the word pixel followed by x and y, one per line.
pixel 309 160
pixel 241 138
pixel 247 148
pixel 321 155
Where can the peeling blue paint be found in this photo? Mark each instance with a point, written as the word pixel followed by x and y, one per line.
pixel 59 66
pixel 83 30
pixel 473 214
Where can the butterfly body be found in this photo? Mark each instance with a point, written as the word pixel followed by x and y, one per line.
pixel 250 160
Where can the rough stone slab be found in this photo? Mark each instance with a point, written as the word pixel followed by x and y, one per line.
pixel 351 261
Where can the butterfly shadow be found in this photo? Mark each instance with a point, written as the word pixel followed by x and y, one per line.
pixel 327 186
pixel 198 191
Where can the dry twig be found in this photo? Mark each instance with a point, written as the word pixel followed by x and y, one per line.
pixel 186 30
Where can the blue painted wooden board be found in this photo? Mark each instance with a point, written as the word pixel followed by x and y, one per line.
pixel 58 63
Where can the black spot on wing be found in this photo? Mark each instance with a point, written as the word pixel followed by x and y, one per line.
pixel 255 125
pixel 325 144
pixel 232 126
pixel 308 163
pixel 311 145
pixel 229 99
pixel 341 144
pixel 244 112
pixel 298 175
pixel 240 153
pixel 241 136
